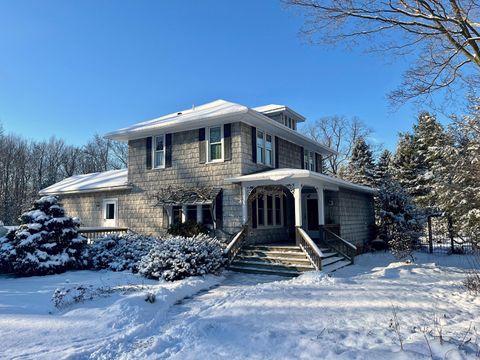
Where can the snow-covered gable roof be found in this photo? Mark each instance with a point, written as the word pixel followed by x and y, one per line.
pixel 215 113
pixel 101 181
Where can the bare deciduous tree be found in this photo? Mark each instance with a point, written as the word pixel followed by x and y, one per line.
pixel 445 36
pixel 340 134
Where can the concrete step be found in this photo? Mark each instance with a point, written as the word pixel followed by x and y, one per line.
pixel 263 253
pixel 335 266
pixel 275 259
pixel 289 248
pixel 255 270
pixel 272 266
pixel 332 260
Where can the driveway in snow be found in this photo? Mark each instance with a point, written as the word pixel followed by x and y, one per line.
pixel 346 316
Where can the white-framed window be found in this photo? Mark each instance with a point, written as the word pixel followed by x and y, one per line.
pixel 110 212
pixel 215 143
pixel 309 160
pixel 158 151
pixel 269 209
pixel 264 148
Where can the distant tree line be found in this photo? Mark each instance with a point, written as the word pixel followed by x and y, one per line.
pixel 27 166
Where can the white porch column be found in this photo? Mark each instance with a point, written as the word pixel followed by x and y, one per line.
pixel 321 206
pixel 244 205
pixel 297 196
pixel 184 213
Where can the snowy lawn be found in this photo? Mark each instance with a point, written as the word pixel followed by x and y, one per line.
pixel 346 316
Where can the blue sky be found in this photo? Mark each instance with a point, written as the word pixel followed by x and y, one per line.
pixel 75 68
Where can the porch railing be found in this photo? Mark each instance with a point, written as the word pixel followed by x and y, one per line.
pixel 309 247
pixel 338 244
pixel 235 245
pixel 94 233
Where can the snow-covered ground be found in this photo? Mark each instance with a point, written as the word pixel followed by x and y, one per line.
pixel 346 316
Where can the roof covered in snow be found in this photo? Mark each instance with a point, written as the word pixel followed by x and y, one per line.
pixel 215 113
pixel 101 181
pixel 306 177
pixel 274 108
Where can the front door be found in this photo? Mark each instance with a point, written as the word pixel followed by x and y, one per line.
pixel 312 217
pixel 110 212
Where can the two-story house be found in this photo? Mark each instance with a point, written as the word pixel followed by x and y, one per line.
pixel 227 166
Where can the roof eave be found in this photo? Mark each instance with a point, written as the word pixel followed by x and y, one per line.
pixel 82 191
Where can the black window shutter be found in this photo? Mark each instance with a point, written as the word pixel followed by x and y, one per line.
pixel 301 158
pixel 285 218
pixel 148 152
pixel 202 150
pixel 227 141
pixel 219 211
pixel 254 213
pixel 254 144
pixel 318 163
pixel 277 154
pixel 168 150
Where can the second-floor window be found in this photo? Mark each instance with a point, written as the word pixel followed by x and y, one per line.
pixel 215 144
pixel 159 151
pixel 264 148
pixel 309 160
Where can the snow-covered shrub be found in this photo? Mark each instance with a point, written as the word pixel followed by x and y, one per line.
pixel 400 223
pixel 120 252
pixel 46 242
pixel 177 258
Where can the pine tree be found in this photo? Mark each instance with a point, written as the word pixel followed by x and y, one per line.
pixel 404 168
pixel 398 219
pixel 361 167
pixel 47 241
pixel 428 139
pixel 383 170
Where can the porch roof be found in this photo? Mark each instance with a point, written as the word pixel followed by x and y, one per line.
pixel 292 176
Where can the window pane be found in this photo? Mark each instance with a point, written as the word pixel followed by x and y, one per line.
pixel 158 143
pixel 192 213
pixel 110 211
pixel 215 135
pixel 269 210
pixel 268 157
pixel 268 142
pixel 159 158
pixel 207 215
pixel 261 210
pixel 215 151
pixel 278 210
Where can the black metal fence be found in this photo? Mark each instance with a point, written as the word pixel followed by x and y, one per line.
pixel 439 238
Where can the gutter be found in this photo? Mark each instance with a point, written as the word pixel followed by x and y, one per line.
pixel 69 192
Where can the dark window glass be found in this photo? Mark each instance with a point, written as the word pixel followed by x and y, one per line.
pixel 110 212
pixel 177 214
pixel 278 210
pixel 261 210
pixel 192 213
pixel 269 210
pixel 207 215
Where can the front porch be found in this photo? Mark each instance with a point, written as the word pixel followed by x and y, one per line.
pixel 298 208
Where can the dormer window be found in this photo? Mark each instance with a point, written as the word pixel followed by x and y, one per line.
pixel 289 122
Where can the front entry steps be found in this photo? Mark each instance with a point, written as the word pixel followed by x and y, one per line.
pixel 283 260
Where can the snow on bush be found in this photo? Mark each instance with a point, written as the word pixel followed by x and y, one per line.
pixel 177 258
pixel 120 252
pixel 46 242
